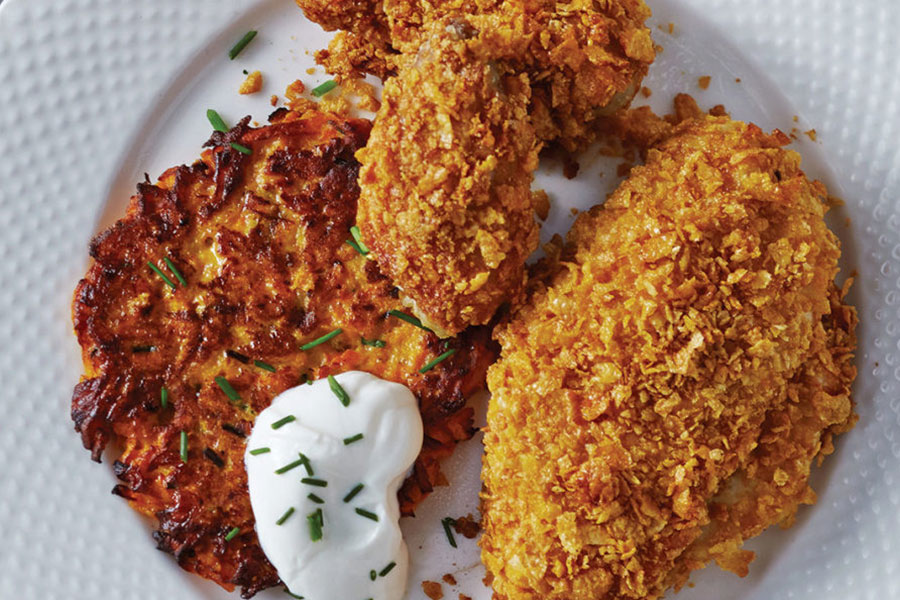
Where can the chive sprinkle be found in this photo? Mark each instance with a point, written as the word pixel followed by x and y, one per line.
pixel 323 88
pixel 353 438
pixel 175 271
pixel 229 391
pixel 163 397
pixel 289 466
pixel 354 231
pixel 322 340
pixel 352 243
pixel 367 514
pixel 314 481
pixel 241 149
pixel 315 499
pixel 283 421
pixel 352 493
pixel 408 318
pixel 217 122
pixel 242 43
pixel 373 574
pixel 264 366
pixel 258 451
pixel 183 450
pixel 387 569
pixel 375 343
pixel 338 390
pixel 307 465
pixel 315 522
pixel 232 534
pixel 292 595
pixel 161 274
pixel 438 360
pixel 447 522
pixel 243 358
pixel 287 515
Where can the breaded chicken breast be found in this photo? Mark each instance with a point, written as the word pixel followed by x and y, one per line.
pixel 445 201
pixel 679 367
pixel 255 291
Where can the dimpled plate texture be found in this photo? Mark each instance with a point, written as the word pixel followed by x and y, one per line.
pixel 93 93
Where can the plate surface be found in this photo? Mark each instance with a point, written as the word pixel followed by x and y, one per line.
pixel 97 92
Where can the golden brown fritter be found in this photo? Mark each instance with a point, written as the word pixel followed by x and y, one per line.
pixel 583 59
pixel 260 242
pixel 445 202
pixel 664 393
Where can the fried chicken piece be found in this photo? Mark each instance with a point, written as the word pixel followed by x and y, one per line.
pixel 445 202
pixel 678 368
pixel 260 242
pixel 584 59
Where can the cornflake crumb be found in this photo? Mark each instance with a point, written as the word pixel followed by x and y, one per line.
pixel 252 84
pixel 467 526
pixel 311 71
pixel 737 79
pixel 464 597
pixel 718 111
pixel 646 92
pixel 541 202
pixel 273 100
pixel 433 590
pixel 703 82
pixel 449 579
pixel 811 133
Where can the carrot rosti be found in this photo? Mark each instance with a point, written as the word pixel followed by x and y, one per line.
pixel 680 366
pixel 250 262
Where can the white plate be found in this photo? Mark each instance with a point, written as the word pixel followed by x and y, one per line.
pixel 93 93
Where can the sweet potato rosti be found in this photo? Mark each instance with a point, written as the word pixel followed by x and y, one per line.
pixel 445 201
pixel 253 264
pixel 680 366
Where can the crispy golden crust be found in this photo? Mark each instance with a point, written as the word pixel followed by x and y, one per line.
pixel 583 59
pixel 260 241
pixel 664 393
pixel 445 202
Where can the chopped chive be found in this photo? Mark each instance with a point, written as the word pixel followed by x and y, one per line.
pixel 232 534
pixel 307 465
pixel 283 421
pixel 216 121
pixel 352 438
pixel 447 522
pixel 258 451
pixel 437 360
pixel 183 450
pixel 161 274
pixel 354 231
pixel 163 397
pixel 288 592
pixel 213 457
pixel 243 358
pixel 376 343
pixel 322 340
pixel 408 318
pixel 323 88
pixel 241 149
pixel 355 246
pixel 314 481
pixel 242 43
pixel 229 391
pixel 288 467
pixel 352 493
pixel 315 522
pixel 264 366
pixel 175 271
pixel 233 429
pixel 338 390
pixel 315 499
pixel 287 515
pixel 367 514
pixel 390 566
pixel 143 349
pixel 373 574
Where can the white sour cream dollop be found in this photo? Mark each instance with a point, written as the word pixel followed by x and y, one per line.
pixel 339 565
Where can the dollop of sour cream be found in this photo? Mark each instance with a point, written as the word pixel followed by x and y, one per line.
pixel 357 557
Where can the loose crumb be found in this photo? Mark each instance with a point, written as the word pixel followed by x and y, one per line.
pixel 311 71
pixel 433 590
pixel 796 118
pixel 467 526
pixel 646 92
pixel 464 597
pixel 703 82
pixel 252 84
pixel 449 579
pixel 718 111
pixel 541 202
pixel 811 133
pixel 574 211
pixel 737 79
pixel 273 100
